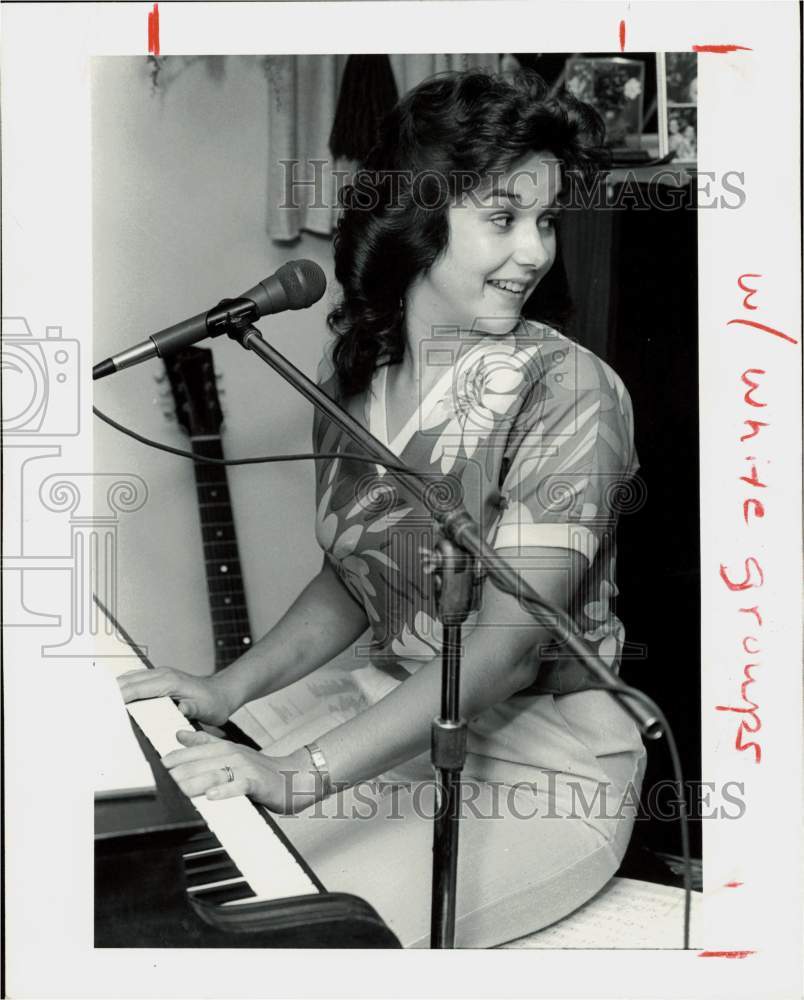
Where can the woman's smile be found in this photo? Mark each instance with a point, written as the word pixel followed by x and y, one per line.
pixel 509 286
pixel 501 244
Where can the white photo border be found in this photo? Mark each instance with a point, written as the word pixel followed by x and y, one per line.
pixel 748 107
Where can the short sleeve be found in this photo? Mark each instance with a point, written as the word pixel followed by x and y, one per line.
pixel 325 379
pixel 326 366
pixel 569 457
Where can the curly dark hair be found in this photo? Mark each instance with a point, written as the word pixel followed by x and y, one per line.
pixel 440 141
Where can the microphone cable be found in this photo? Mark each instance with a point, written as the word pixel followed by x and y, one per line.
pixel 621 688
pixel 675 763
pixel 256 460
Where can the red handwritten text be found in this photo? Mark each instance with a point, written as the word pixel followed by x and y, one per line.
pixel 750 575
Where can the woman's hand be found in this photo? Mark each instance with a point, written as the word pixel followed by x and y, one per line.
pixel 201 698
pixel 221 770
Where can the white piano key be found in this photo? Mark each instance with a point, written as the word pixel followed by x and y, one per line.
pixel 267 865
pixel 235 880
pixel 200 854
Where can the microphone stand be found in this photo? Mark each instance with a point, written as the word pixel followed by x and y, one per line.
pixel 457 584
pixel 458 552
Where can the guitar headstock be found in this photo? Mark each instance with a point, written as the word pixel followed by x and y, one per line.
pixel 192 378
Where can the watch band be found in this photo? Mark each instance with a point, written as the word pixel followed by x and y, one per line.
pixel 320 764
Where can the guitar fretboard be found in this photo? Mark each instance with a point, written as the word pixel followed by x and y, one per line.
pixel 227 598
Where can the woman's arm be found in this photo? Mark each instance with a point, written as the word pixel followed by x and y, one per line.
pixel 493 667
pixel 322 621
pixel 397 727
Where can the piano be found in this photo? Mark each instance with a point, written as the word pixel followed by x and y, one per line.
pixel 174 872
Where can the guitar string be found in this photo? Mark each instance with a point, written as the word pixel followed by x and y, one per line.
pixel 227 595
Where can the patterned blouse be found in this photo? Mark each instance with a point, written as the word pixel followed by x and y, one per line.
pixel 534 434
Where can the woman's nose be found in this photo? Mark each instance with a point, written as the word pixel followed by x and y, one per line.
pixel 531 250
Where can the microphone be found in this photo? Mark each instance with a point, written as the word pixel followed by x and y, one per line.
pixel 296 285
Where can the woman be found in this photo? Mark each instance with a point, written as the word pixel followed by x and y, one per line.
pixel 445 235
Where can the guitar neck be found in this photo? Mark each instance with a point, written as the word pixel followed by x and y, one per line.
pixel 227 597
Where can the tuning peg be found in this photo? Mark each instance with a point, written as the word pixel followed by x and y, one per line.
pixel 218 376
pixel 159 376
pixel 169 414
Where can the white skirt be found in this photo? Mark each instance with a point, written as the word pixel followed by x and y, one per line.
pixel 549 795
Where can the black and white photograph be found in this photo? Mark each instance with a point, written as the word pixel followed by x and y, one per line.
pixel 512 381
pixel 682 131
pixel 615 88
pixel 677 106
pixel 682 77
pixel 397 497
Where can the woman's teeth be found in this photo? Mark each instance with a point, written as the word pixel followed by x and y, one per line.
pixel 516 287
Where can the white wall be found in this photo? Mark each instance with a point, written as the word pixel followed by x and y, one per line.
pixel 179 193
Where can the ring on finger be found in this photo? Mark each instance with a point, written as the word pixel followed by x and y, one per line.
pixel 229 773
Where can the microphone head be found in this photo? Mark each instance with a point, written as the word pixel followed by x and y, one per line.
pixel 303 283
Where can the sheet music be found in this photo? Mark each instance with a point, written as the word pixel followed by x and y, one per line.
pixel 121 767
pixel 306 709
pixel 627 913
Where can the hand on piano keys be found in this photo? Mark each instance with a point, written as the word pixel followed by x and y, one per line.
pixel 245 882
pixel 251 844
pixel 219 769
pixel 203 698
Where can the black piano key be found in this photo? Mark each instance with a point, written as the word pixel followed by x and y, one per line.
pixel 192 862
pixel 225 893
pixel 215 873
pixel 202 841
pixel 202 835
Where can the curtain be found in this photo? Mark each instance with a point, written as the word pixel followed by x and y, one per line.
pixel 303 180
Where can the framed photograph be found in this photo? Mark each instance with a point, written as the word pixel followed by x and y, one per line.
pixel 682 77
pixel 677 95
pixel 615 87
pixel 682 131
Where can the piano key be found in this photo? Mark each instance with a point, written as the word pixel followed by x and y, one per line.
pixel 205 859
pixel 268 867
pixel 201 854
pixel 202 841
pixel 211 880
pixel 225 893
pixel 207 876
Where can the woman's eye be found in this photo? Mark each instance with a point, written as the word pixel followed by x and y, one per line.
pixel 503 221
pixel 548 222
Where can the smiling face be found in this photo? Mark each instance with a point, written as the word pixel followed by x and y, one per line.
pixel 502 242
